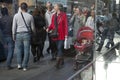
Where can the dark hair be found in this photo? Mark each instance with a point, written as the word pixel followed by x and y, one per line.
pixel 24 6
pixel 114 14
pixel 60 6
pixel 75 6
pixel 36 12
pixel 49 3
pixel 4 11
pixel 79 8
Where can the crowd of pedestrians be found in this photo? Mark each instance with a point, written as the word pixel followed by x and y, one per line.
pixel 27 32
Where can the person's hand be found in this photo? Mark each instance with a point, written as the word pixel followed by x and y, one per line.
pixel 13 37
pixel 47 30
pixel 66 36
pixel 75 14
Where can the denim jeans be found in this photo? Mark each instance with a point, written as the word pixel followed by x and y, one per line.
pixel 60 47
pixel 9 49
pixel 22 42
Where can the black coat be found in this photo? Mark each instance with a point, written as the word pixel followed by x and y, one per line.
pixel 40 35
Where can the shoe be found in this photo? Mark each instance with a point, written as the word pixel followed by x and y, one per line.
pixel 107 47
pixel 24 69
pixel 9 68
pixel 98 50
pixel 48 51
pixel 53 59
pixel 19 66
pixel 35 59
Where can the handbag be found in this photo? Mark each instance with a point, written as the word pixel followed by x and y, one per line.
pixel 54 33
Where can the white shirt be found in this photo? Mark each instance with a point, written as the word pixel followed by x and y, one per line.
pixel 48 17
pixel 90 22
pixel 19 23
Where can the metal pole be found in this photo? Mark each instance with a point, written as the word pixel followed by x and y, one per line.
pixel 35 3
pixel 119 11
pixel 15 6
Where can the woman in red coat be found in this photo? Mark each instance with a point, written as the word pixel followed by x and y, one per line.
pixel 59 20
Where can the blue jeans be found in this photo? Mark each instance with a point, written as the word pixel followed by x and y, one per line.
pixel 9 49
pixel 22 42
pixel 60 47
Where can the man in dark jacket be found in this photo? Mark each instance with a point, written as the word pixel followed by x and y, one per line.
pixel 112 26
pixel 6 22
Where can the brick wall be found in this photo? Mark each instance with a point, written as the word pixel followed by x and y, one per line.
pixel 29 2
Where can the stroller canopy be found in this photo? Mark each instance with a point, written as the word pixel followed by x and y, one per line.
pixel 85 33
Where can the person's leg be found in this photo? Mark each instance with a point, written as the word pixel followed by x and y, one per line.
pixel 103 37
pixel 53 50
pixel 10 51
pixel 110 37
pixel 60 59
pixel 34 52
pixel 18 48
pixel 39 51
pixel 50 44
pixel 40 48
pixel 26 42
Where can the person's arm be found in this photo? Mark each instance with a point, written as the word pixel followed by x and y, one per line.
pixel 46 20
pixel 32 24
pixel 66 25
pixel 87 22
pixel 72 19
pixel 51 25
pixel 14 27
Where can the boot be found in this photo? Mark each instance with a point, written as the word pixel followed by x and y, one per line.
pixel 59 62
pixel 62 61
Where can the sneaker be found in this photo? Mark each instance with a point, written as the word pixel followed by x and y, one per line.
pixel 24 69
pixel 19 66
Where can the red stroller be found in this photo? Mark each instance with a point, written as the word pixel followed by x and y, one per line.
pixel 84 46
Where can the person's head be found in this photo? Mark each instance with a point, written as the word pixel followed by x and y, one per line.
pixel 4 11
pixel 105 11
pixel 3 5
pixel 49 5
pixel 24 6
pixel 114 15
pixel 36 12
pixel 58 7
pixel 85 9
pixel 74 8
pixel 93 13
pixel 78 10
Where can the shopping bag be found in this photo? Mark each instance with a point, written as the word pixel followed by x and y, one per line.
pixel 67 43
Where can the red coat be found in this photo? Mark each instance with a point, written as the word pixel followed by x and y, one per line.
pixel 62 25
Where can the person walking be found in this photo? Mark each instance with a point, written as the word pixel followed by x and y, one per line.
pixel 91 20
pixel 6 22
pixel 105 25
pixel 113 24
pixel 23 25
pixel 48 16
pixel 78 20
pixel 59 24
pixel 37 41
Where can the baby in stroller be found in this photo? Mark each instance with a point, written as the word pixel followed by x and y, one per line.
pixel 84 46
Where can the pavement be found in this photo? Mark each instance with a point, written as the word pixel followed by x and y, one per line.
pixel 42 70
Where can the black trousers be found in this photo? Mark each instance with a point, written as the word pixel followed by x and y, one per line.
pixel 103 37
pixel 37 50
pixel 52 46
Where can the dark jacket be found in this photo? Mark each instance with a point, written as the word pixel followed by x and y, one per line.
pixel 40 35
pixel 6 25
